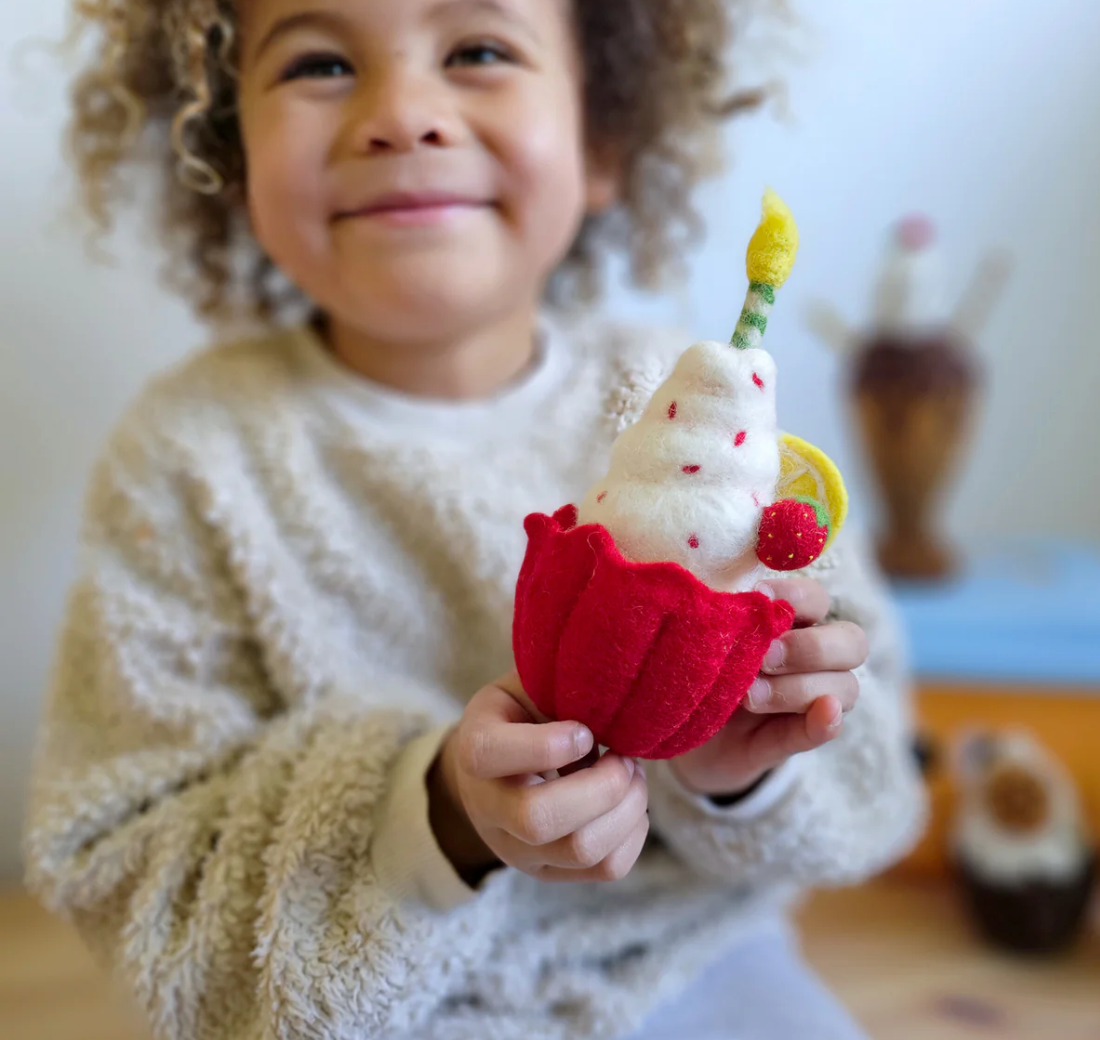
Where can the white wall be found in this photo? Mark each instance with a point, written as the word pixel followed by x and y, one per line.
pixel 981 113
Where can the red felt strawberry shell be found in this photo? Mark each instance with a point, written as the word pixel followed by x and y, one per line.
pixel 653 661
pixel 793 533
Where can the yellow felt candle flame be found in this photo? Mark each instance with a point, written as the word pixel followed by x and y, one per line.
pixel 774 246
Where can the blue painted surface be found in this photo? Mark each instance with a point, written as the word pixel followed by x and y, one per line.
pixel 1026 611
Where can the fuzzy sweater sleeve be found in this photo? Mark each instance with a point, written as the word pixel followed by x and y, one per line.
pixel 218 850
pixel 836 815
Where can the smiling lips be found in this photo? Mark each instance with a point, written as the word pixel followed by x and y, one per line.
pixel 414 209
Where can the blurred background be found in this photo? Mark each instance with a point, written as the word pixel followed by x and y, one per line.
pixel 982 115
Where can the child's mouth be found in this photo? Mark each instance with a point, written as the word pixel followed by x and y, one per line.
pixel 415 209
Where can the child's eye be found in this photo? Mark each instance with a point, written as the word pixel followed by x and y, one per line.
pixel 318 66
pixel 477 54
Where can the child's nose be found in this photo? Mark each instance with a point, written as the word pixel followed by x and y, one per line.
pixel 401 112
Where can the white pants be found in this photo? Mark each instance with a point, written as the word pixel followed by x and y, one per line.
pixel 762 990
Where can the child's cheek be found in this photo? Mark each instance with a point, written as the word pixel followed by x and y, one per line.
pixel 286 184
pixel 545 165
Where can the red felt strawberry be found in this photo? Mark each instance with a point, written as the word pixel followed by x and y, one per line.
pixel 793 533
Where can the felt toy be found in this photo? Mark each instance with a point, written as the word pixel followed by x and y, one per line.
pixel 1019 843
pixel 635 612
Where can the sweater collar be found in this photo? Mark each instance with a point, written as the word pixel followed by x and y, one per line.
pixel 363 401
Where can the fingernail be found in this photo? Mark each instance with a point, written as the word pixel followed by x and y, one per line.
pixel 775 656
pixel 641 768
pixel 838 721
pixel 760 693
pixel 583 740
pixel 766 590
pixel 630 767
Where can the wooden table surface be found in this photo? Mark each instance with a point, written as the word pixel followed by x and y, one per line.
pixel 899 953
pixel 905 959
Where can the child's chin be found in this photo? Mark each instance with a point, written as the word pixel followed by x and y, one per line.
pixel 431 296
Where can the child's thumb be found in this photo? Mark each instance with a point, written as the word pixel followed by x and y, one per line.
pixel 512 685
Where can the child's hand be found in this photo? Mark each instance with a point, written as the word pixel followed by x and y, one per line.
pixel 798 703
pixel 490 805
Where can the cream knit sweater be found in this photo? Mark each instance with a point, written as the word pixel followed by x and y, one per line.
pixel 291 582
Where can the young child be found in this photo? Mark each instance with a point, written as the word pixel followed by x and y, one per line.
pixel 280 788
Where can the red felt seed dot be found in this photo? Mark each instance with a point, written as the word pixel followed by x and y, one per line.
pixel 740 438
pixel 693 541
pixel 601 497
pixel 672 410
pixel 692 469
pixel 758 381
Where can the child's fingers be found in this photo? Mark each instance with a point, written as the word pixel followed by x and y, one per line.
pixel 587 762
pixel 808 597
pixel 512 685
pixel 539 814
pixel 614 867
pixel 796 694
pixel 781 738
pixel 837 647
pixel 495 742
pixel 824 721
pixel 590 845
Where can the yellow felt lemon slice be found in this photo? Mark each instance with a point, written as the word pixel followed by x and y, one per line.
pixel 807 472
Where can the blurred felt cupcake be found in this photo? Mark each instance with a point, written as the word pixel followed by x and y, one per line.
pixel 1019 843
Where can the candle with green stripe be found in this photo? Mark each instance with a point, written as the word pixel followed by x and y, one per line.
pixel 771 257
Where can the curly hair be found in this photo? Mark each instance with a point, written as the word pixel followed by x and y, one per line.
pixel 162 82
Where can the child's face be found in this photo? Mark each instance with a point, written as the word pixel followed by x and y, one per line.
pixel 416 166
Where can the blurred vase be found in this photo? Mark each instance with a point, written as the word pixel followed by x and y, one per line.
pixel 914 399
pixel 914 383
